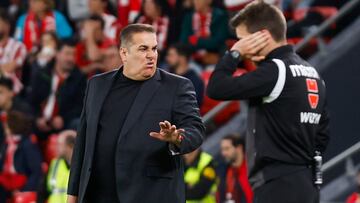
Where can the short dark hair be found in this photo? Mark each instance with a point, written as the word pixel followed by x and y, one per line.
pixel 236 140
pixel 70 140
pixel 19 123
pixel 182 49
pixel 127 33
pixel 70 42
pixel 98 18
pixel 259 15
pixel 6 82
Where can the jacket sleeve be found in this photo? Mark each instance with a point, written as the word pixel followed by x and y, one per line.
pixel 78 154
pixel 185 115
pixel 256 84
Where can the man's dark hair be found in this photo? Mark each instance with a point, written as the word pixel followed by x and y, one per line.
pixel 259 15
pixel 5 17
pixel 6 82
pixel 182 49
pixel 99 19
pixel 70 140
pixel 127 33
pixel 236 140
pixel 66 42
pixel 19 123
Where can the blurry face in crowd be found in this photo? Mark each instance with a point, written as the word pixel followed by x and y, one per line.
pixel 111 58
pixel 140 56
pixel 201 5
pixel 98 32
pixel 173 58
pixel 63 149
pixel 95 6
pixel 61 145
pixel 150 8
pixel 4 29
pixel 229 151
pixel 66 58
pixel 6 96
pixel 37 6
pixel 48 41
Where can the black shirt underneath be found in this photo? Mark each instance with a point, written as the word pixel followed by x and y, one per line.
pixel 102 184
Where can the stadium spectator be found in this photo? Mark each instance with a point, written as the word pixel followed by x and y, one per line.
pixel 200 177
pixel 57 92
pixel 89 50
pixel 58 174
pixel 20 160
pixel 48 45
pixel 112 58
pixel 98 7
pixel 205 29
pixel 234 185
pixel 40 18
pixel 12 53
pixel 154 12
pixel 8 102
pixel 178 58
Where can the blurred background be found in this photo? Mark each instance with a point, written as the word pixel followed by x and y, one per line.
pixel 49 48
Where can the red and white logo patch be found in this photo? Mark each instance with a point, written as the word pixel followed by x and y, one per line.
pixel 312 85
pixel 313 100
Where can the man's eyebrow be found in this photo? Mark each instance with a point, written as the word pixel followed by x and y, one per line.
pixel 144 46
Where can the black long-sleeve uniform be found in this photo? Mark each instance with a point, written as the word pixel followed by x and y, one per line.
pixel 287 120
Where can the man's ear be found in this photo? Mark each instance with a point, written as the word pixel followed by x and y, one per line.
pixel 123 54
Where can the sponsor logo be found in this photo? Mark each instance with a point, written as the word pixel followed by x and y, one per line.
pixel 309 117
pixel 304 71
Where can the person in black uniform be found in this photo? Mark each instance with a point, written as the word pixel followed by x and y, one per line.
pixel 288 120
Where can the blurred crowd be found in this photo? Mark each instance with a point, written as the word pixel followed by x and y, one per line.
pixel 48 50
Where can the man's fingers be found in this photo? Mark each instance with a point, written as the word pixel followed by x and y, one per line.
pixel 162 125
pixel 257 58
pixel 157 135
pixel 167 123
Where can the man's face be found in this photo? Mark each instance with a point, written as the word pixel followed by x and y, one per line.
pixel 98 31
pixel 140 56
pixel 66 58
pixel 37 6
pixel 61 146
pixel 200 5
pixel 172 58
pixel 150 8
pixel 6 96
pixel 95 6
pixel 228 151
pixel 4 29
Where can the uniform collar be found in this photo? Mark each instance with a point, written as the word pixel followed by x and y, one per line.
pixel 280 51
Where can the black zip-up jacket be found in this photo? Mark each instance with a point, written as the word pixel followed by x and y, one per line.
pixel 287 121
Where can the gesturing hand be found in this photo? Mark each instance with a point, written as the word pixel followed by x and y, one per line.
pixel 168 133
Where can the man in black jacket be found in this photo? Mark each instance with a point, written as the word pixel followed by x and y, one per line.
pixel 135 124
pixel 57 92
pixel 288 121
